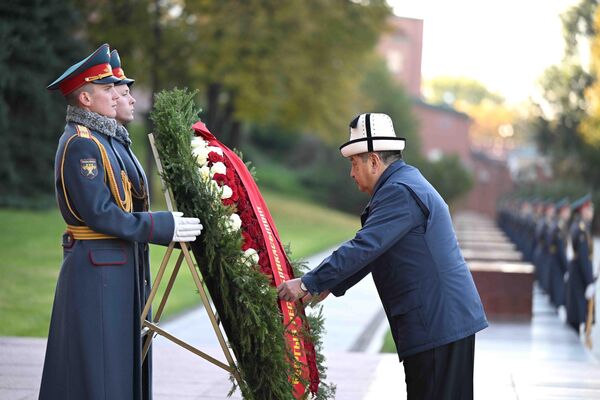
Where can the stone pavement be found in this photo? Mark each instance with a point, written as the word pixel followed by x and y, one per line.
pixel 541 359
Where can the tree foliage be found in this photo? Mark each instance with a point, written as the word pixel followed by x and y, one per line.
pixel 37 46
pixel 561 125
pixel 490 114
pixel 270 62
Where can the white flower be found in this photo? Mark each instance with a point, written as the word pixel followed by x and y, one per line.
pixel 215 149
pixel 226 192
pixel 233 223
pixel 201 154
pixel 204 172
pixel 218 168
pixel 251 257
pixel 198 142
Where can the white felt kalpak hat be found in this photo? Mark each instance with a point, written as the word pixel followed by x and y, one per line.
pixel 372 132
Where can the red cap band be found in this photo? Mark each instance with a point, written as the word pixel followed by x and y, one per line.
pixel 89 75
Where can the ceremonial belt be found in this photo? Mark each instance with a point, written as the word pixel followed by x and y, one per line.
pixel 86 233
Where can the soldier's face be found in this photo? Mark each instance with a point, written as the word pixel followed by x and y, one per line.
pixel 587 213
pixel 125 104
pixel 102 99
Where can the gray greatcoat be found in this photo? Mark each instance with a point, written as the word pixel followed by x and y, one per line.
pixel 94 345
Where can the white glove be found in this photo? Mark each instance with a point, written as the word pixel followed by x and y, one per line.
pixel 186 229
pixel 589 291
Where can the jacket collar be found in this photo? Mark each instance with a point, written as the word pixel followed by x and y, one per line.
pixel 96 122
pixel 395 166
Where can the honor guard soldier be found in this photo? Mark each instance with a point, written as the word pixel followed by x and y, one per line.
pixel 557 260
pixel 408 243
pixel 580 284
pixel 94 346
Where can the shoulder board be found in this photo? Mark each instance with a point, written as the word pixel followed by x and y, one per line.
pixel 83 131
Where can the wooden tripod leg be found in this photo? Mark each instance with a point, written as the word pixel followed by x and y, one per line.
pixel 163 302
pixel 209 311
pixel 159 276
pixel 588 324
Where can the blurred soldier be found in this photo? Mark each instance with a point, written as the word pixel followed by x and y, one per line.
pixel 408 243
pixel 546 253
pixel 580 284
pixel 93 349
pixel 527 225
pixel 539 237
pixel 557 261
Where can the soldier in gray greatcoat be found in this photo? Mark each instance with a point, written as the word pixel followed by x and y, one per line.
pixel 94 349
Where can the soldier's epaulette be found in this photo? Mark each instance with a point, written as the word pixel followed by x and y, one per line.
pixel 83 131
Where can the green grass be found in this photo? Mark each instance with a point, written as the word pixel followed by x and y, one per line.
pixel 31 250
pixel 388 343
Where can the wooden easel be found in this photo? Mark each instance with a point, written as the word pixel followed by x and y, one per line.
pixel 150 329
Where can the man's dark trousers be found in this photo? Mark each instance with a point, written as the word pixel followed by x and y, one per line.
pixel 442 373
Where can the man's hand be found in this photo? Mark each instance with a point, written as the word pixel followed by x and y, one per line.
pixel 310 299
pixel 291 290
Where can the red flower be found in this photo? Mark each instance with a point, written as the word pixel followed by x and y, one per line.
pixel 214 157
pixel 220 179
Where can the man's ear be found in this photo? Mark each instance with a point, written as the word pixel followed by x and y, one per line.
pixel 374 161
pixel 85 97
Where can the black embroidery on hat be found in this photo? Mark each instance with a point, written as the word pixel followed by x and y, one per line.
pixel 354 122
pixel 368 125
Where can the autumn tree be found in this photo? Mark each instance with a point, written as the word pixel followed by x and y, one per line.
pixel 290 63
pixel 492 118
pixel 561 123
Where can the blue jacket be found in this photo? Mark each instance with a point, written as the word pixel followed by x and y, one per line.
pixel 408 243
pixel 94 345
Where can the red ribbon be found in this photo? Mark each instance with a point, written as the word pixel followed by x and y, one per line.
pixel 280 265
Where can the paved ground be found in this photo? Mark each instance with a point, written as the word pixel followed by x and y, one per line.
pixel 541 359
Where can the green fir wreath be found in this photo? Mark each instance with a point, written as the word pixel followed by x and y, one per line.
pixel 243 296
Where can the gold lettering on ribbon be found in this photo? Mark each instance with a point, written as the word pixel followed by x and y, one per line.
pixel 271 243
pixel 291 312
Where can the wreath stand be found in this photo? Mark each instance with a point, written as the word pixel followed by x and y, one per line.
pixel 151 329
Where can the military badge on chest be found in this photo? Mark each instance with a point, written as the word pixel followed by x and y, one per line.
pixel 89 167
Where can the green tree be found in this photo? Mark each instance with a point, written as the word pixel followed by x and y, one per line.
pixel 380 93
pixel 269 62
pixel 295 64
pixel 37 46
pixel 557 121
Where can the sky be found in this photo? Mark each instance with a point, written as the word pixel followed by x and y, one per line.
pixel 504 44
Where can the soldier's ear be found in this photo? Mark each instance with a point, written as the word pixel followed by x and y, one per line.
pixel 85 95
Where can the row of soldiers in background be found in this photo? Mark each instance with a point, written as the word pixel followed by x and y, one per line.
pixel 543 231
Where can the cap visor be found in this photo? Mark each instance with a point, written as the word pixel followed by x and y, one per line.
pixel 125 81
pixel 108 79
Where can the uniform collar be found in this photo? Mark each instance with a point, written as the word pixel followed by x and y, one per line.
pixel 395 166
pixel 122 135
pixel 94 121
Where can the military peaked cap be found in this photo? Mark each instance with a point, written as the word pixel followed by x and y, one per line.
pixel 117 70
pixel 95 68
pixel 581 202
